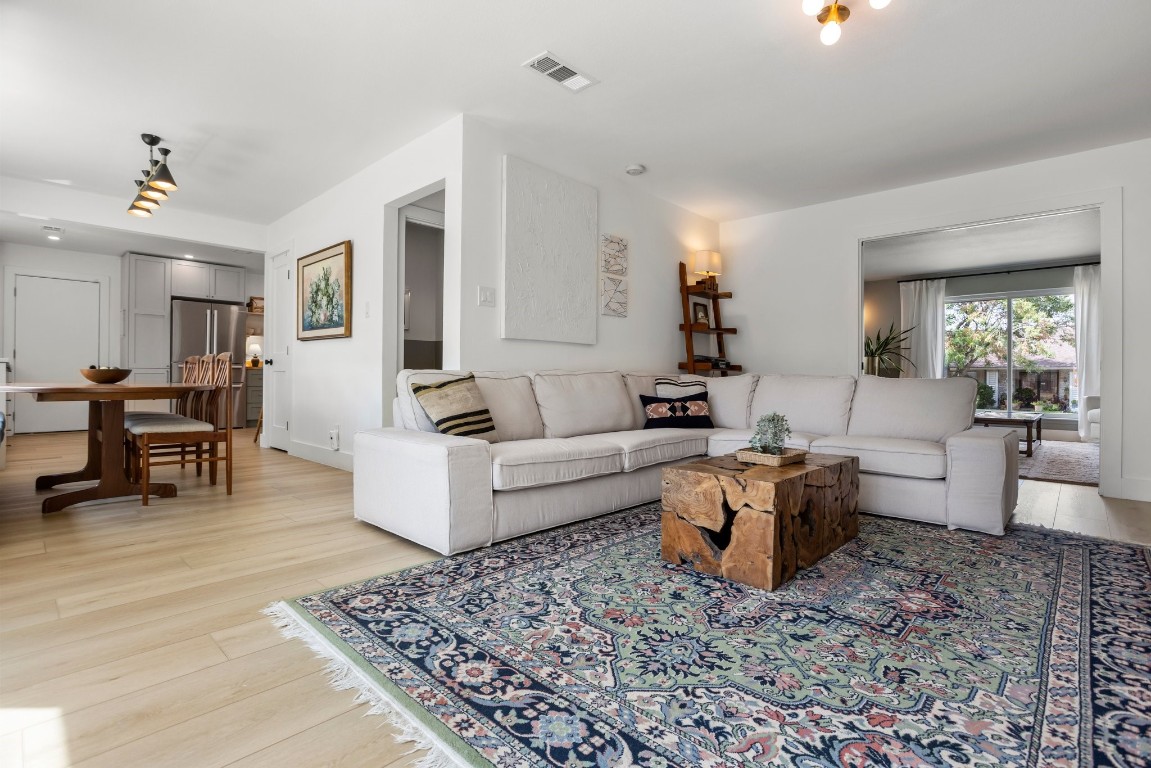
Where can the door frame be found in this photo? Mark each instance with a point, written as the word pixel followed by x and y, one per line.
pixel 270 436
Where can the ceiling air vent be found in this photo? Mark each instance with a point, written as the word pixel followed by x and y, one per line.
pixel 547 64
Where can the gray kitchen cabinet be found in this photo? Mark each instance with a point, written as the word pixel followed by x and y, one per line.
pixel 197 280
pixel 145 335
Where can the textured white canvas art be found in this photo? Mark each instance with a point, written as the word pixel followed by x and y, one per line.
pixel 613 255
pixel 613 296
pixel 551 230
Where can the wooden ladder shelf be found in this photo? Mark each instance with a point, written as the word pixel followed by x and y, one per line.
pixel 714 328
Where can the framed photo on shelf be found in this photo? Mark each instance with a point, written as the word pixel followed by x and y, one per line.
pixel 324 294
pixel 700 313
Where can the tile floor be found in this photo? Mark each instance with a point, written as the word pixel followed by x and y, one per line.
pixel 1080 509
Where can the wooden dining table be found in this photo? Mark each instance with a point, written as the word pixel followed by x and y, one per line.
pixel 105 438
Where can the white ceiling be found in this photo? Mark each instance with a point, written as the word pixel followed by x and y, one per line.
pixel 1064 237
pixel 86 238
pixel 735 107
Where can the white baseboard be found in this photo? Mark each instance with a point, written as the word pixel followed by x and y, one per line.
pixel 320 455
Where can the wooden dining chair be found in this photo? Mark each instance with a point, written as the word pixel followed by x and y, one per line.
pixel 197 369
pixel 206 428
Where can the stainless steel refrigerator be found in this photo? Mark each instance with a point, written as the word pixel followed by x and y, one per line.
pixel 209 328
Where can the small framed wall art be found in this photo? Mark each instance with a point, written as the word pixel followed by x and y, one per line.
pixel 324 293
pixel 700 313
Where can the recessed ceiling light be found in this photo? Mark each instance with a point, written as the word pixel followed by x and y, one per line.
pixel 53 237
pixel 53 233
pixel 189 256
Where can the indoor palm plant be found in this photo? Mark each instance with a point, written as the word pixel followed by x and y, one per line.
pixel 886 350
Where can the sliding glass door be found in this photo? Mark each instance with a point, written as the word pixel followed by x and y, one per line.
pixel 1019 347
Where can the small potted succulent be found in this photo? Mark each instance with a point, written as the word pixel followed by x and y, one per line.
pixel 767 443
pixel 770 432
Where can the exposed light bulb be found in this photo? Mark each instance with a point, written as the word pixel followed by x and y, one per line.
pixel 812 7
pixel 879 5
pixel 830 33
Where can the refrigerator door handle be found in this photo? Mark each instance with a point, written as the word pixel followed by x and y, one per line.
pixel 207 331
pixel 215 328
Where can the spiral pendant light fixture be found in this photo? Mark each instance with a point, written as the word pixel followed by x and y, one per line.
pixel 158 180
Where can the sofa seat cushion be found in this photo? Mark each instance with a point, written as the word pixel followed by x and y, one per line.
pixel 724 441
pixel 546 461
pixel 645 447
pixel 889 455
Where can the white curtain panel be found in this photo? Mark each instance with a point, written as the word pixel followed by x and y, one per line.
pixel 921 308
pixel 1088 334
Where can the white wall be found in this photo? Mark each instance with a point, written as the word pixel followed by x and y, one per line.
pixel 351 381
pixel 70 263
pixel 659 235
pixel 801 267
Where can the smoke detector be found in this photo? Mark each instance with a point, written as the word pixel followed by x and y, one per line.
pixel 567 76
pixel 635 169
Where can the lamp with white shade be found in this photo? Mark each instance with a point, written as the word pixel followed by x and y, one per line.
pixel 709 264
pixel 256 350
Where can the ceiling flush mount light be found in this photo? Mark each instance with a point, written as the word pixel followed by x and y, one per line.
pixel 832 16
pixel 158 180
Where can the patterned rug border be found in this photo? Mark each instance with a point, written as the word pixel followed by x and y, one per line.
pixel 414 724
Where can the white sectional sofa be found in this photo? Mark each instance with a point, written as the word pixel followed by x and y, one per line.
pixel 572 446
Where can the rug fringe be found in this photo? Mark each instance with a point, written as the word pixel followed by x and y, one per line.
pixel 344 675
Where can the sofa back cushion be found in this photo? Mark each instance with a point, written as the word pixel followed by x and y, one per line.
pixel 729 398
pixel 916 409
pixel 508 395
pixel 583 403
pixel 817 404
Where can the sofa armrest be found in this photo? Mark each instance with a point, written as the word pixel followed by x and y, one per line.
pixel 433 489
pixel 982 479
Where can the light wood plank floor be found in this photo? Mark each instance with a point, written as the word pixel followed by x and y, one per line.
pixel 133 636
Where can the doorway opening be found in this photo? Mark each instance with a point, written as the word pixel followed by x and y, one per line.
pixel 1010 303
pixel 422 282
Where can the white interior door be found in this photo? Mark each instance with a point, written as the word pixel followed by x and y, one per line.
pixel 57 332
pixel 279 332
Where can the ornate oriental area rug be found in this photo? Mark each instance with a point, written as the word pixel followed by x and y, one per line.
pixel 911 646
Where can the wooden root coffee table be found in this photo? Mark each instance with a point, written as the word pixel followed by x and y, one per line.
pixel 757 524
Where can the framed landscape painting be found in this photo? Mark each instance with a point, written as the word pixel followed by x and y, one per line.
pixel 324 293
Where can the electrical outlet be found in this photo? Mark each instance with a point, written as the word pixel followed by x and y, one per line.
pixel 334 438
pixel 486 296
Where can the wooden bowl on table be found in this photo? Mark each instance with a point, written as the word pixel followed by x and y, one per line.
pixel 105 375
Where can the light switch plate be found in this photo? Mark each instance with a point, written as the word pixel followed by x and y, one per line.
pixel 486 296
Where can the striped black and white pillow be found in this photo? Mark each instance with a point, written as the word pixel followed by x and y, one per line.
pixel 457 407
pixel 672 387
